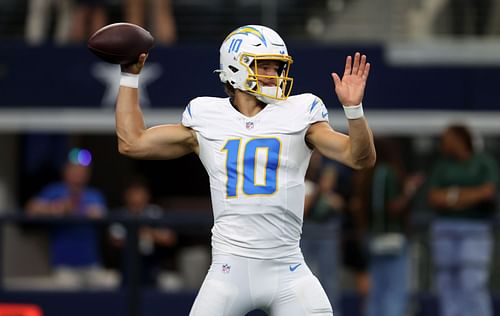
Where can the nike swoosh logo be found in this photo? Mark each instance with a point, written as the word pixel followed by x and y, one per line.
pixel 324 114
pixel 294 267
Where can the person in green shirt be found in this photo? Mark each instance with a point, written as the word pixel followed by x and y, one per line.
pixel 462 192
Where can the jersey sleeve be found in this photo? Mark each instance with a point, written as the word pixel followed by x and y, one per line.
pixel 317 110
pixel 51 192
pixel 204 115
pixel 187 115
pixel 95 198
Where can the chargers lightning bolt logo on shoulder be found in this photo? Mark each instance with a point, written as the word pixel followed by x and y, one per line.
pixel 313 105
pixel 247 30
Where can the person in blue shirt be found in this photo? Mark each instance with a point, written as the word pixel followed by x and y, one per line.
pixel 74 248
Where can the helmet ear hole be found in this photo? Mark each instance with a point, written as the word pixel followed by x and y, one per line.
pixel 233 69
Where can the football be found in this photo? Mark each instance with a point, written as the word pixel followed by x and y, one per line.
pixel 120 43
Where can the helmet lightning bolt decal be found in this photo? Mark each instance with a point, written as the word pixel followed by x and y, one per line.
pixel 246 30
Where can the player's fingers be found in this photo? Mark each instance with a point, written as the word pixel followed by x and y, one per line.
pixel 366 72
pixel 142 58
pixel 355 64
pixel 362 65
pixel 336 79
pixel 348 65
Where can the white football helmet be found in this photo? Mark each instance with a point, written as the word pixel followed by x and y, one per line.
pixel 240 54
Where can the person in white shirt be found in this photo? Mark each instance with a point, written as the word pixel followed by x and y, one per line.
pixel 255 146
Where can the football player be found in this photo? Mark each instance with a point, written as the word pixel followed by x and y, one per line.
pixel 255 146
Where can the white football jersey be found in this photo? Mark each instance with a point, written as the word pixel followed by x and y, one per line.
pixel 256 167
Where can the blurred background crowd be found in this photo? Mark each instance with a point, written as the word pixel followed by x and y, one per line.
pixel 415 235
pixel 178 21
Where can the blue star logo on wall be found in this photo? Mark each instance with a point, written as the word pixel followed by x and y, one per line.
pixel 109 75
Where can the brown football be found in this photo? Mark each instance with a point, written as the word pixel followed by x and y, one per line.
pixel 120 43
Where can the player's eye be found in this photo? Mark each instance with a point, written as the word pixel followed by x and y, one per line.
pixel 269 68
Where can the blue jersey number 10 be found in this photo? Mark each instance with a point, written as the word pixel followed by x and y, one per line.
pixel 271 148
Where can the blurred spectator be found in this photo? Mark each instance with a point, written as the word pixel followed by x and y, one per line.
pixel 423 15
pixel 354 252
pixel 321 232
pixel 385 195
pixel 39 21
pixel 471 16
pixel 74 247
pixel 462 190
pixel 458 17
pixel 88 16
pixel 155 243
pixel 156 15
pixel 76 20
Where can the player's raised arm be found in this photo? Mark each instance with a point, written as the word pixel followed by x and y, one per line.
pixel 134 140
pixel 357 149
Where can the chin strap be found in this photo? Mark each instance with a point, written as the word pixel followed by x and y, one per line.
pixel 269 91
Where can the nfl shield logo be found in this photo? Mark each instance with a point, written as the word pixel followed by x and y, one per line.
pixel 226 268
pixel 249 125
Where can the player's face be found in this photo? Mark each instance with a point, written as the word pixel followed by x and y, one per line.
pixel 136 199
pixel 268 68
pixel 451 144
pixel 76 176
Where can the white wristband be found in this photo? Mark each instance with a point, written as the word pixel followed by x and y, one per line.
pixel 129 80
pixel 353 112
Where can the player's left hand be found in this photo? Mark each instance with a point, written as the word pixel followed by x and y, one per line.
pixel 135 67
pixel 351 88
